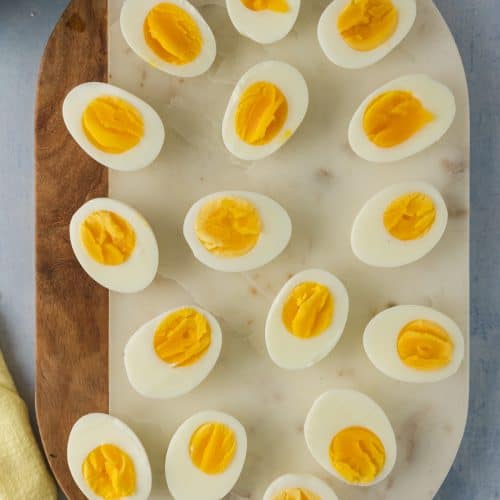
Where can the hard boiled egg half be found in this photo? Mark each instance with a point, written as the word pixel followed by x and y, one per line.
pixel 401 118
pixel 357 33
pixel 264 21
pixel 236 231
pixel 306 319
pixel 114 244
pixel 107 460
pixel 299 487
pixel 350 436
pixel 171 36
pixel 414 344
pixel 399 225
pixel 113 126
pixel 265 109
pixel 205 456
pixel 173 353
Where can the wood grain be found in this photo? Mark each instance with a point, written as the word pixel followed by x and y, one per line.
pixel 71 309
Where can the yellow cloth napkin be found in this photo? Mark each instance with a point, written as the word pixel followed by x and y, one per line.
pixel 23 475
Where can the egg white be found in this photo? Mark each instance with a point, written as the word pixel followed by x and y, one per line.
pixel 152 377
pixel 262 26
pixel 184 480
pixel 434 96
pixel 381 336
pixel 340 53
pixel 95 429
pixel 338 409
pixel 375 246
pixel 132 17
pixel 294 88
pixel 305 481
pixel 134 274
pixel 291 352
pixel 276 233
pixel 141 155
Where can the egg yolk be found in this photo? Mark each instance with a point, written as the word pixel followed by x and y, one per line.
pixel 212 447
pixel 273 5
pixel 410 216
pixel 229 227
pixel 108 238
pixel 109 472
pixel 393 117
pixel 308 310
pixel 172 34
pixel 424 345
pixel 357 454
pixel 261 113
pixel 182 337
pixel 296 494
pixel 366 24
pixel 112 125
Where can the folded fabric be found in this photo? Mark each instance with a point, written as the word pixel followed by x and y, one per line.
pixel 23 474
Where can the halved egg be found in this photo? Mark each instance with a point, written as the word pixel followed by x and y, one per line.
pixel 306 319
pixel 236 231
pixel 107 460
pixel 114 244
pixel 357 33
pixel 399 225
pixel 350 436
pixel 173 353
pixel 265 109
pixel 113 126
pixel 414 344
pixel 264 21
pixel 299 487
pixel 171 36
pixel 205 456
pixel 401 118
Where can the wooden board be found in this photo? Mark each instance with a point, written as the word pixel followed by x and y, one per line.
pixel 71 309
pixel 73 312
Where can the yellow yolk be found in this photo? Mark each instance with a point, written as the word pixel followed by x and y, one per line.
pixel 296 494
pixel 393 117
pixel 229 227
pixel 109 472
pixel 274 5
pixel 410 216
pixel 424 345
pixel 212 447
pixel 112 125
pixel 183 337
pixel 172 34
pixel 308 310
pixel 366 24
pixel 261 113
pixel 108 238
pixel 357 454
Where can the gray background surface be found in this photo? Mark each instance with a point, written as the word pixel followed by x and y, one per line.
pixel 24 28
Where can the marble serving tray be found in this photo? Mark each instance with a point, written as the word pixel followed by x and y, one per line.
pixel 322 185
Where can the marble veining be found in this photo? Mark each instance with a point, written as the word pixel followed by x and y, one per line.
pixel 322 184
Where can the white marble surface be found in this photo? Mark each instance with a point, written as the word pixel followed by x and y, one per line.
pixel 322 184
